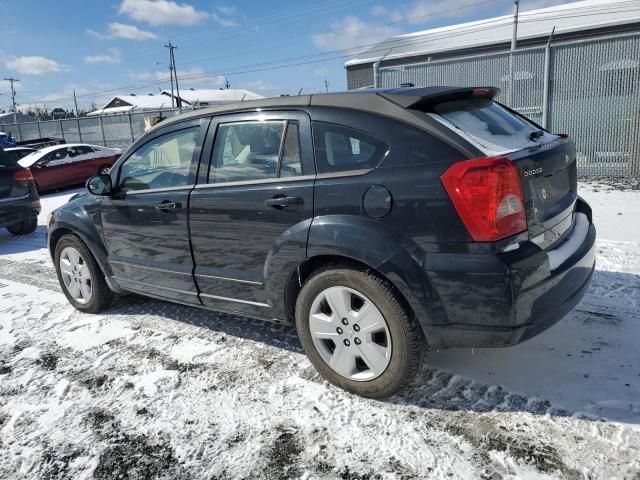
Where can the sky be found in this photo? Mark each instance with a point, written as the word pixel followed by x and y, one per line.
pixel 102 48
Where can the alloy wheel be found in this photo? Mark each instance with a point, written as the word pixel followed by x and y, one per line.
pixel 350 333
pixel 75 275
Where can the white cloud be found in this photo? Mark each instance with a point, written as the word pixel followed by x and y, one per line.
pixel 378 11
pixel 424 11
pixel 351 33
pixel 33 65
pixel 535 4
pixel 121 30
pixel 259 85
pixel 183 77
pixel 225 16
pixel 162 12
pixel 112 57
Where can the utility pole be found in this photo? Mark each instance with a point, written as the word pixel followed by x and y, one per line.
pixel 172 68
pixel 75 101
pixel 13 97
pixel 514 37
pixel 227 85
pixel 326 85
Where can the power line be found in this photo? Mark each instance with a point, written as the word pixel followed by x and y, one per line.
pixel 385 46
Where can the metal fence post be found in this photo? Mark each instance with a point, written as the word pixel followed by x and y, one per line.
pixel 131 129
pixel 62 130
pixel 19 131
pixel 104 140
pixel 38 126
pixel 79 132
pixel 546 82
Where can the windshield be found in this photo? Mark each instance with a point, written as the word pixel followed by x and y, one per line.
pixel 30 159
pixel 488 125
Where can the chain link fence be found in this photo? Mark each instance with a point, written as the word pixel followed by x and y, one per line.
pixel 107 130
pixel 589 89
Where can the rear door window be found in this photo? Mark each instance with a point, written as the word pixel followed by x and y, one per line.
pixel 247 151
pixel 488 125
pixel 340 149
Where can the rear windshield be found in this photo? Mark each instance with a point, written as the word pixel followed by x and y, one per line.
pixel 488 125
pixel 6 160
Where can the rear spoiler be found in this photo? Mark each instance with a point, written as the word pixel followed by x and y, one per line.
pixel 412 98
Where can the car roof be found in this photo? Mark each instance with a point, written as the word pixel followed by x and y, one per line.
pixel 369 99
pixel 51 148
pixel 12 149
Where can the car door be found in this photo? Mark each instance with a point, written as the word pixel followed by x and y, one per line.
pixel 50 172
pixel 145 222
pixel 85 162
pixel 256 191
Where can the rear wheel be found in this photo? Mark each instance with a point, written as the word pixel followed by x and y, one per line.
pixel 25 227
pixel 81 279
pixel 357 333
pixel 104 169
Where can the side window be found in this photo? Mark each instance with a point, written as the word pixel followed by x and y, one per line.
pixel 57 157
pixel 83 150
pixel 291 164
pixel 162 162
pixel 341 149
pixel 247 151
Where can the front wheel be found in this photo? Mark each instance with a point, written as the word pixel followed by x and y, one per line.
pixel 25 227
pixel 357 332
pixel 80 277
pixel 104 169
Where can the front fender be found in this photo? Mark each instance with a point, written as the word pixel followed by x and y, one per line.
pixel 82 217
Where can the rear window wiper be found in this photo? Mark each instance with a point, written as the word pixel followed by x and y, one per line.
pixel 535 135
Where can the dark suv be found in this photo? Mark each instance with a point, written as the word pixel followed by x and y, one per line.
pixel 378 222
pixel 19 200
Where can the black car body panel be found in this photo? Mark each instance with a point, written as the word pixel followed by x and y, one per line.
pixel 246 246
pixel 19 199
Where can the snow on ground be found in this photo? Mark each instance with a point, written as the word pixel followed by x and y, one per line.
pixel 150 389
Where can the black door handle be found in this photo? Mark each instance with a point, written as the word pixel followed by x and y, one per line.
pixel 283 202
pixel 168 206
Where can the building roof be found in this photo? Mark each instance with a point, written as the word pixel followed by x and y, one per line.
pixel 128 103
pixel 215 96
pixel 567 18
pixel 6 118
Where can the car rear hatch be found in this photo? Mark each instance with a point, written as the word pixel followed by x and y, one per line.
pixel 14 179
pixel 546 162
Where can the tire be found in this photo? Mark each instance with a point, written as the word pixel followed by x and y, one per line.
pixel 100 296
pixel 398 334
pixel 104 169
pixel 25 227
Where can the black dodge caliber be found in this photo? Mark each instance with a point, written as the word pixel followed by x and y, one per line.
pixel 377 222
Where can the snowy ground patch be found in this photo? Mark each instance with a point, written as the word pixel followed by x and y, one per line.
pixel 155 390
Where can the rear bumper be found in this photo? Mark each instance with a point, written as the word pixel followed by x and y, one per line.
pixel 505 299
pixel 16 210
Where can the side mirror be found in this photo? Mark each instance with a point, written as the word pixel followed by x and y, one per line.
pixel 100 185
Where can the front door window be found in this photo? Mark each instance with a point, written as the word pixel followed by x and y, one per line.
pixel 163 162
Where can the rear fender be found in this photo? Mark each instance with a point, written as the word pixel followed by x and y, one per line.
pixel 369 242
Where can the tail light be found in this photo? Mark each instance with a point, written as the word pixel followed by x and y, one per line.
pixel 23 175
pixel 487 194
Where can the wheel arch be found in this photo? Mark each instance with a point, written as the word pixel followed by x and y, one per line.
pixel 305 270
